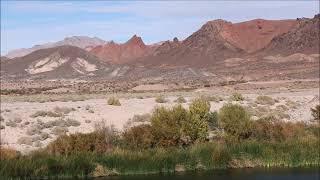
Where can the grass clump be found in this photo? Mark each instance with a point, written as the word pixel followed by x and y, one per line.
pixel 114 101
pixel 58 131
pixel 161 99
pixel 46 113
pixel 265 100
pixel 180 99
pixel 213 98
pixel 63 110
pixel 236 97
pixel 11 123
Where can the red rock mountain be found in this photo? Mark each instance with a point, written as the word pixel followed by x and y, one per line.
pixel 256 34
pixel 304 38
pixel 218 40
pixel 122 53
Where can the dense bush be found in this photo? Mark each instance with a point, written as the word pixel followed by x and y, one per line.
pixel 271 129
pixel 315 112
pixel 167 125
pixel 235 120
pixel 114 101
pixel 197 126
pixel 139 137
pixel 174 126
pixel 75 143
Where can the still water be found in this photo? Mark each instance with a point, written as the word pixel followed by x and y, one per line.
pixel 234 174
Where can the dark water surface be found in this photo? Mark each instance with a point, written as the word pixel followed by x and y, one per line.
pixel 234 174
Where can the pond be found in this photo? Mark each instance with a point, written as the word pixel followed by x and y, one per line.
pixel 233 174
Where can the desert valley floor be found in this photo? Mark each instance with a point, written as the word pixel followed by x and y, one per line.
pixel 29 122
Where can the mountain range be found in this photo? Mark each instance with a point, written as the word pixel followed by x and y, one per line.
pixel 218 49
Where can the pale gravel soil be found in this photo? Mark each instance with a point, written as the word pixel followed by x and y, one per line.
pixel 119 115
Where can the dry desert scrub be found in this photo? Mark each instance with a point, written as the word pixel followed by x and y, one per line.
pixel 265 100
pixel 161 99
pixel 180 99
pixel 114 101
pixel 236 97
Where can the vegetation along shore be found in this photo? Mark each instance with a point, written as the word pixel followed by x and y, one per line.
pixel 174 139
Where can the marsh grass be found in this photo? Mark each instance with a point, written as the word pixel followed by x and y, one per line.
pixel 213 155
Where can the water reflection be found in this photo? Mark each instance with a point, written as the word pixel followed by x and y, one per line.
pixel 234 174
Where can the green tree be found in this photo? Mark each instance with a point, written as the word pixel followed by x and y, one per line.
pixel 235 121
pixel 196 128
pixel 167 125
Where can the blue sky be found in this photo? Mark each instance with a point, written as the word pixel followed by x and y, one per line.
pixel 27 23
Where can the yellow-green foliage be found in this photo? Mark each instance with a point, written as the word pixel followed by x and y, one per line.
pixel 167 125
pixel 197 127
pixel 235 120
pixel 114 101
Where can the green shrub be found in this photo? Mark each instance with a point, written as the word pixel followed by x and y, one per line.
pixel 235 120
pixel 114 101
pixel 167 125
pixel 180 99
pixel 139 137
pixel 236 97
pixel 265 100
pixel 161 99
pixel 75 143
pixel 315 112
pixel 212 119
pixel 197 126
pixel 271 129
pixel 200 107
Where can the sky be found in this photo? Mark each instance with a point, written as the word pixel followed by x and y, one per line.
pixel 28 23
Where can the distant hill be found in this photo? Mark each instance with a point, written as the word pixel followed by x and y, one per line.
pixel 252 50
pixel 58 62
pixel 78 41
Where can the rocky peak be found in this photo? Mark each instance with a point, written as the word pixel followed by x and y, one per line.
pixel 135 40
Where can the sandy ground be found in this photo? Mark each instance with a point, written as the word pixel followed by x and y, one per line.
pixel 97 110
